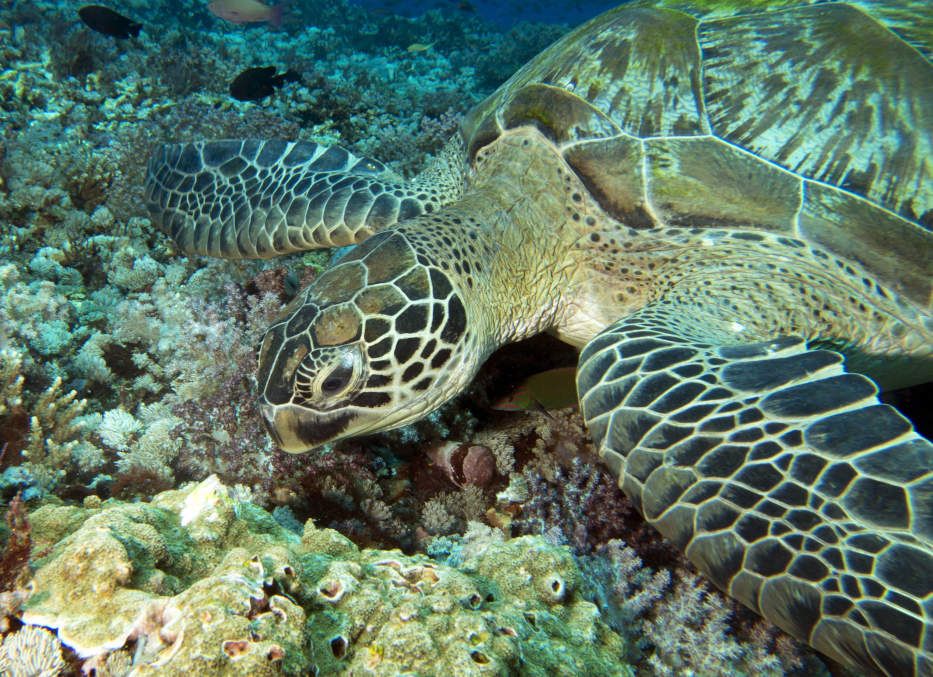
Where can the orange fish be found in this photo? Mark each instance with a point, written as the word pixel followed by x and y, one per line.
pixel 246 11
pixel 551 389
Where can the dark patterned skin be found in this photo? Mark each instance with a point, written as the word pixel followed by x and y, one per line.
pixel 258 199
pixel 781 477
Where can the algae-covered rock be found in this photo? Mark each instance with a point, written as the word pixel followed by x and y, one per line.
pixel 87 590
pixel 228 623
pixel 198 583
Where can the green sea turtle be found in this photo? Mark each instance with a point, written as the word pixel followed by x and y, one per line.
pixel 728 206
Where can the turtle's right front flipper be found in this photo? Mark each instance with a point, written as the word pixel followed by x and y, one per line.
pixel 780 475
pixel 259 199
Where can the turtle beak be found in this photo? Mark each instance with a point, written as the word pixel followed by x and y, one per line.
pixel 268 418
pixel 295 429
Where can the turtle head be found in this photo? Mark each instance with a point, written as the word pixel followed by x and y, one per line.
pixel 377 341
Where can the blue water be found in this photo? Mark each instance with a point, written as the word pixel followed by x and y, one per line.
pixel 501 14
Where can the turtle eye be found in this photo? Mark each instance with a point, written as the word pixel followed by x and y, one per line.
pixel 337 381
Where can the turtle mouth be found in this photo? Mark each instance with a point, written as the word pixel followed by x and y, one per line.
pixel 296 430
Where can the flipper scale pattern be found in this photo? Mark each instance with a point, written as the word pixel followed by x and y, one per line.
pixel 259 199
pixel 782 477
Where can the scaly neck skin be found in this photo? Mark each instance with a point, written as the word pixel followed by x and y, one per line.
pixel 501 244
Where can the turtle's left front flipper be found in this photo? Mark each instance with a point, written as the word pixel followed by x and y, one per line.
pixel 782 477
pixel 247 198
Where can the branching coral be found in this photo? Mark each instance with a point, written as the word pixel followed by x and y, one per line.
pixel 449 512
pixel 688 630
pixel 43 432
pixel 622 587
pixel 342 490
pixel 11 381
pixel 213 383
pixel 53 430
pixel 580 505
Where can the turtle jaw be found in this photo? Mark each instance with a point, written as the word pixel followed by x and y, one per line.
pixel 296 429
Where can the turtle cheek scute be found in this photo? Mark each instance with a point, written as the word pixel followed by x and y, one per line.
pixel 278 361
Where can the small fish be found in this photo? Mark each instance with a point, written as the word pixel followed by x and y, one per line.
pixel 416 47
pixel 465 7
pixel 551 389
pixel 259 82
pixel 246 11
pixel 105 20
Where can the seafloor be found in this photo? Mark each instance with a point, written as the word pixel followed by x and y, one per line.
pixel 151 523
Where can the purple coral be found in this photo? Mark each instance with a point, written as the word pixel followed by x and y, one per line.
pixel 581 506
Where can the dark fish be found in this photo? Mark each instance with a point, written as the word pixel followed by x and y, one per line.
pixel 105 20
pixel 259 82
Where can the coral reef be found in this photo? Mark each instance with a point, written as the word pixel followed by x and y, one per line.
pixel 198 582
pixel 31 652
pixel 94 301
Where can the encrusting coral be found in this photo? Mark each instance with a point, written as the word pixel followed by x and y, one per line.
pixel 199 583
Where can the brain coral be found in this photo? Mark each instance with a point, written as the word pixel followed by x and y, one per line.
pixel 199 583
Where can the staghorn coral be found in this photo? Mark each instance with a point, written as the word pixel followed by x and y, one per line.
pixel 11 381
pixel 199 582
pixel 43 432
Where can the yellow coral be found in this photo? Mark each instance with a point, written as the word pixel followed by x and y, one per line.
pixel 250 598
